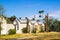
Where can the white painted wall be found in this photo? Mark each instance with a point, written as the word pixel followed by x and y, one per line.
pixel 6 27
pixel 19 25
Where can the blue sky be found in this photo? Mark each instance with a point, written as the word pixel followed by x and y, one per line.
pixel 28 8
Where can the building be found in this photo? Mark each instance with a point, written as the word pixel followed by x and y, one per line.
pixel 19 24
pixel 5 26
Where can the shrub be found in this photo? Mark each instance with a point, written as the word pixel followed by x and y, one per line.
pixel 24 30
pixel 12 31
pixel 34 30
pixel 0 29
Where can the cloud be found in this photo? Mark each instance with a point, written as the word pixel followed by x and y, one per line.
pixel 36 16
pixel 55 14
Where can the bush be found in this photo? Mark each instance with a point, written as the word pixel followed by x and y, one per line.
pixel 34 30
pixel 24 30
pixel 0 29
pixel 12 31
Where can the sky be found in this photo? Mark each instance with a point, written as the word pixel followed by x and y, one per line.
pixel 29 8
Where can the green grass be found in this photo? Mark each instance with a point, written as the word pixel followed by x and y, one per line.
pixel 43 35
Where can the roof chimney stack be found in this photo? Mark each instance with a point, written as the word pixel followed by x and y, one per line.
pixel 20 18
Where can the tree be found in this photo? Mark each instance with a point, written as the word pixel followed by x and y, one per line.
pixel 54 24
pixel 41 17
pixel 1 14
pixel 47 23
pixel 12 18
pixel 57 25
pixel 41 12
pixel 51 24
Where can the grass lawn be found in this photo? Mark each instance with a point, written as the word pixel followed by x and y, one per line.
pixel 42 35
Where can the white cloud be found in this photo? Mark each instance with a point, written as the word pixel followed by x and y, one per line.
pixel 32 16
pixel 55 14
pixel 36 16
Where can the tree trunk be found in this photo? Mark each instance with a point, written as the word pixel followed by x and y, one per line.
pixel 47 23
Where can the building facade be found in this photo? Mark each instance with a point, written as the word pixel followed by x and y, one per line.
pixel 19 24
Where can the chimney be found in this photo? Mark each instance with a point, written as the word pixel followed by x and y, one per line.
pixel 25 17
pixel 20 18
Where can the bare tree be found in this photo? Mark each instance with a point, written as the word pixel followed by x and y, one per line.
pixel 47 23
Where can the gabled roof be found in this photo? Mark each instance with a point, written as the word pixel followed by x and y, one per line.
pixel 32 21
pixel 24 21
